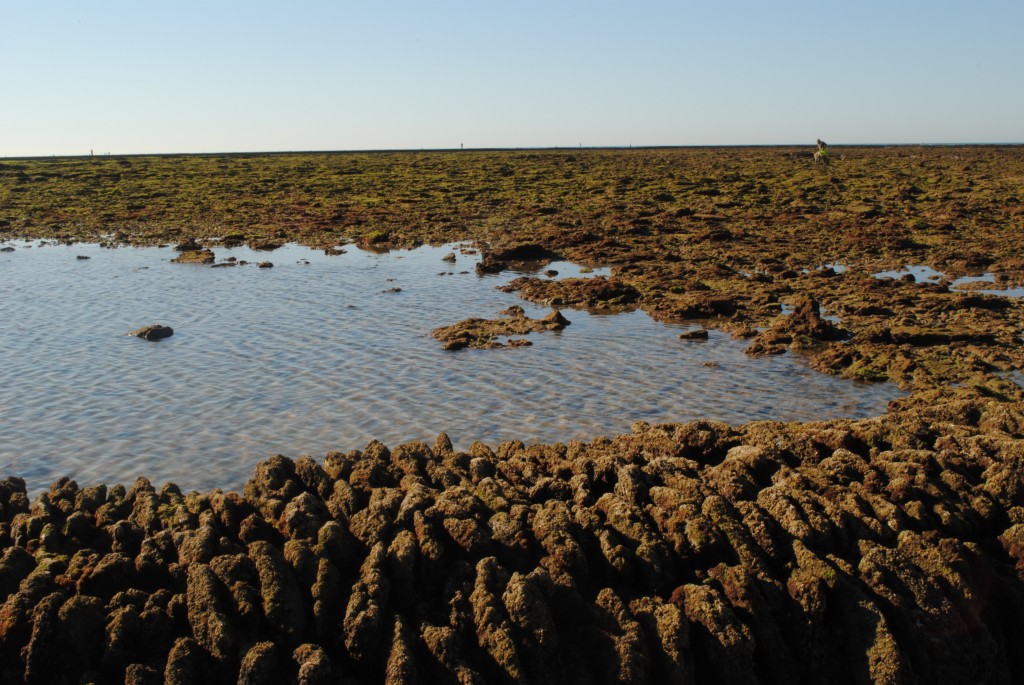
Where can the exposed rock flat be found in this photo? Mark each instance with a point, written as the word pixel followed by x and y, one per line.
pixel 883 550
pixel 887 550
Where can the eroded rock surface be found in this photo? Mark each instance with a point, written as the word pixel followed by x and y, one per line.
pixel 881 550
pixel 485 333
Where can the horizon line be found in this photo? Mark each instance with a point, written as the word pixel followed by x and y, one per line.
pixel 256 153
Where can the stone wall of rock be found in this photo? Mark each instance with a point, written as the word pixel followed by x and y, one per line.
pixel 888 550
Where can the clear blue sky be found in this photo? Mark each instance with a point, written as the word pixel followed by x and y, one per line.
pixel 187 76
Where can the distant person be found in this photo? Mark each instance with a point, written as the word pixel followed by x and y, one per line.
pixel 822 153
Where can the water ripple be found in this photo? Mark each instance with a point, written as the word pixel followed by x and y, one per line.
pixel 307 358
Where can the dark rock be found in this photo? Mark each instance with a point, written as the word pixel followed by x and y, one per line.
pixel 401 665
pixel 208 613
pixel 187 663
pixel 264 244
pixel 153 332
pixel 314 665
pixel 364 615
pixel 282 601
pixel 42 654
pixel 261 665
pixel 718 635
pixel 304 516
pixel 555 320
pixel 112 573
pixel 15 565
pixel 140 674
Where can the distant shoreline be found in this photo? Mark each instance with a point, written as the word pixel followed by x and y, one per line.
pixel 384 151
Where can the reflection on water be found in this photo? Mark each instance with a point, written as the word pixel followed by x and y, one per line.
pixel 320 353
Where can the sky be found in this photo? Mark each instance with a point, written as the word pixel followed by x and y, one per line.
pixel 163 76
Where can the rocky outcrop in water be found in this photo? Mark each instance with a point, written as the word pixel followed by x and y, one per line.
pixel 484 333
pixel 496 260
pixel 883 550
pixel 153 332
pixel 803 327
pixel 198 255
pixel 597 293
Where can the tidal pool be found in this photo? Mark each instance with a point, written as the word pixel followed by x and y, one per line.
pixel 325 353
pixel 929 275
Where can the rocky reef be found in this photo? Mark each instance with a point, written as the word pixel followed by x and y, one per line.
pixel 888 550
pixel 885 550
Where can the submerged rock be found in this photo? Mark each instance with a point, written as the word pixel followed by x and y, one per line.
pixel 697 334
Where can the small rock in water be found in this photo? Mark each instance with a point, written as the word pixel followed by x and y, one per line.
pixel 7 249
pixel 82 256
pixel 266 265
pixel 555 320
pixel 450 257
pixel 393 290
pixel 550 273
pixel 264 245
pixel 699 334
pixel 201 256
pixel 153 332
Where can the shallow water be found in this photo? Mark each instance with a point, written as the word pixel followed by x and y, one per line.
pixel 929 275
pixel 315 355
pixel 921 273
